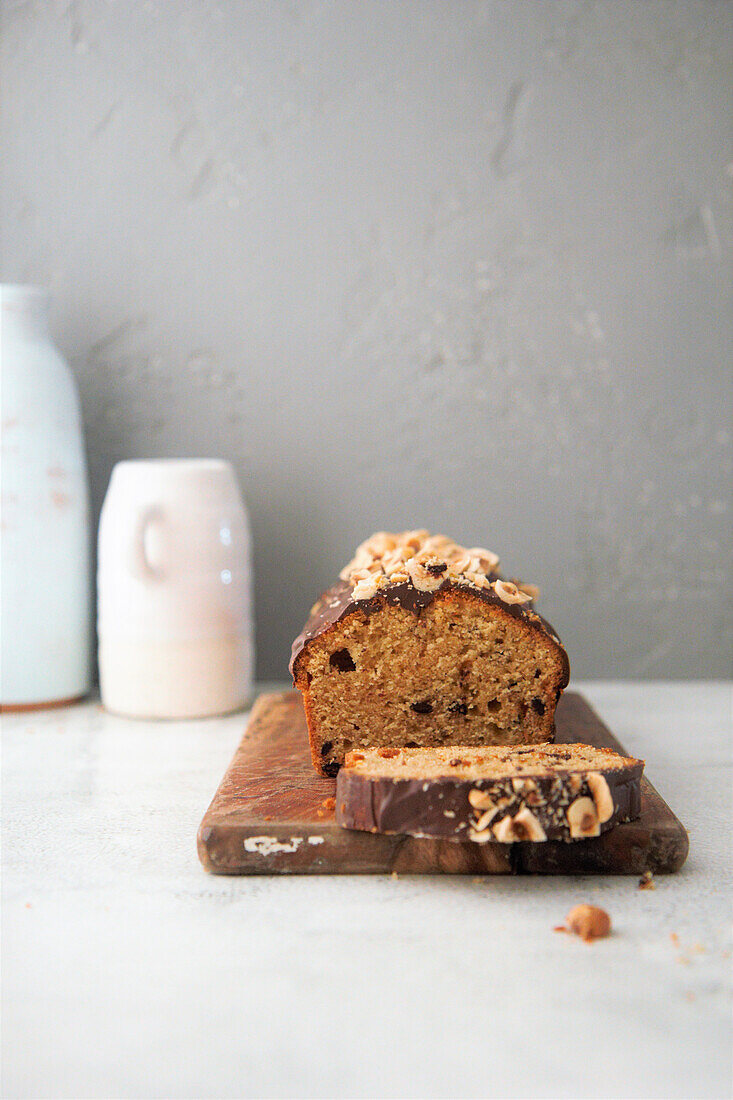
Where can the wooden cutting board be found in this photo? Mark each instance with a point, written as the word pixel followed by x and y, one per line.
pixel 273 815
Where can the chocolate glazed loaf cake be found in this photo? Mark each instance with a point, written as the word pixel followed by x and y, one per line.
pixel 545 792
pixel 422 643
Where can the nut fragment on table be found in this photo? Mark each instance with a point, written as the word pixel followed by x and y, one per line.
pixel 589 922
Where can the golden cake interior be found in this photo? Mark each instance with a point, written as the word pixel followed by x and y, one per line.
pixel 462 762
pixel 459 672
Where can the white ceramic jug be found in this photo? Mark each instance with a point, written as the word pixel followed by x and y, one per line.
pixel 174 590
pixel 45 594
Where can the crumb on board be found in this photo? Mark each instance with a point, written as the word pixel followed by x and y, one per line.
pixel 646 882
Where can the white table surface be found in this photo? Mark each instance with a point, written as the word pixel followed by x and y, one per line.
pixel 129 972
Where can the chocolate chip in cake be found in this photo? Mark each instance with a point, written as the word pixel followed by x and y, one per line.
pixel 331 769
pixel 326 747
pixel 422 707
pixel 493 706
pixel 538 706
pixel 342 660
pixel 458 708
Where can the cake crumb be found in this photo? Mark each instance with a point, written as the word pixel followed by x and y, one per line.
pixel 646 882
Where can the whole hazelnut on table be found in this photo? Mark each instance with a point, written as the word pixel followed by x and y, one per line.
pixel 588 922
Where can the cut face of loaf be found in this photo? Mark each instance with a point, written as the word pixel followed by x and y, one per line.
pixel 537 793
pixel 434 653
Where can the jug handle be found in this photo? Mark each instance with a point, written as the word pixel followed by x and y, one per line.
pixel 141 564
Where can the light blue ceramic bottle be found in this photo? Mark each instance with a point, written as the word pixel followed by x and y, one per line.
pixel 45 591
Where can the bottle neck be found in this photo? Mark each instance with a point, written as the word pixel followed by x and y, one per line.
pixel 24 311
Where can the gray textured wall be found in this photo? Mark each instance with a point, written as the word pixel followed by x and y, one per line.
pixel 460 265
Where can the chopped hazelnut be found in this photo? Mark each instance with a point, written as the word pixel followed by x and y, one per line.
pixel 504 830
pixel 583 818
pixel 509 592
pixel 480 800
pixel 365 589
pixel 487 559
pixel 477 579
pixel 601 795
pixel 421 577
pixel 520 785
pixel 527 827
pixel 393 560
pixel 523 826
pixel 589 922
pixel 486 817
pixel 458 563
pixel 413 540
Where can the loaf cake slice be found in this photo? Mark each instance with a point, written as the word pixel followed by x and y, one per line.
pixel 540 792
pixel 422 643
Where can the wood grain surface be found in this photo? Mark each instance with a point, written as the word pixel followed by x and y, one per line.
pixel 273 815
